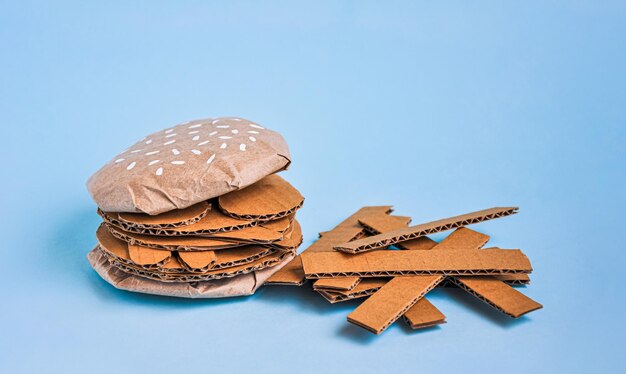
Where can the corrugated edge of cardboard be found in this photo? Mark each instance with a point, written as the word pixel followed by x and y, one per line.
pixel 414 232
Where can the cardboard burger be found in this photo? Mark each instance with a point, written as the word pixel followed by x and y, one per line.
pixel 188 164
pixel 179 220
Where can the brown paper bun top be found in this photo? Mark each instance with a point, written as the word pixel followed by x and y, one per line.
pixel 186 164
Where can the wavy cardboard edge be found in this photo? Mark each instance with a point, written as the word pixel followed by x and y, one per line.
pixel 403 263
pixel 413 232
pixel 171 219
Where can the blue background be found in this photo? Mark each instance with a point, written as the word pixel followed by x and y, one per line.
pixel 438 108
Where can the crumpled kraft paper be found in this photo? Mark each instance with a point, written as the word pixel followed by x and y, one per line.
pixel 186 164
pixel 241 285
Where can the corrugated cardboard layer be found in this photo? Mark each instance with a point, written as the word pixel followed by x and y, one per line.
pixel 343 283
pixel 395 263
pixel 291 274
pixel 248 235
pixel 423 314
pixel 180 262
pixel 378 224
pixel 499 295
pixel 364 288
pixel 390 302
pixel 214 222
pixel 463 239
pixel 241 285
pixel 291 238
pixel 172 243
pixel 270 198
pixel 173 218
pixel 347 230
pixel 368 286
pixel 514 279
pixel 265 262
pixel 413 232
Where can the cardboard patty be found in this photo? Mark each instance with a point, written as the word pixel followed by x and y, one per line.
pixel 270 198
pixel 245 284
pixel 187 164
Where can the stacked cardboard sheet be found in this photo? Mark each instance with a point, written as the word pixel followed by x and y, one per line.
pixel 233 224
pixel 377 256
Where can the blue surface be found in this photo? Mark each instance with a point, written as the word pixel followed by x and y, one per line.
pixel 437 108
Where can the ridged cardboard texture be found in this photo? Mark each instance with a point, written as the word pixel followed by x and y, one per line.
pixel 168 275
pixel 186 164
pixel 179 262
pixel 292 274
pixel 344 283
pixel 368 286
pixel 270 198
pixel 395 263
pixel 173 218
pixel 413 232
pixel 240 285
pixel 399 294
pixel 213 223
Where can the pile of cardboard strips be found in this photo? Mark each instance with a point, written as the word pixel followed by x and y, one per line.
pixel 377 256
pixel 196 211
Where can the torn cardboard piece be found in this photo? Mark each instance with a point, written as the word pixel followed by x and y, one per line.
pixel 270 198
pixel 499 295
pixel 398 263
pixel 391 301
pixel 241 285
pixel 348 229
pixel 413 232
pixel 423 314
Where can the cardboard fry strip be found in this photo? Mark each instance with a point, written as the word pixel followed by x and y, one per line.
pixel 293 274
pixel 368 286
pixel 379 224
pixel 343 283
pixel 413 232
pixel 389 303
pixel 503 297
pixel 423 314
pixel 461 239
pixel 514 279
pixel 396 263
